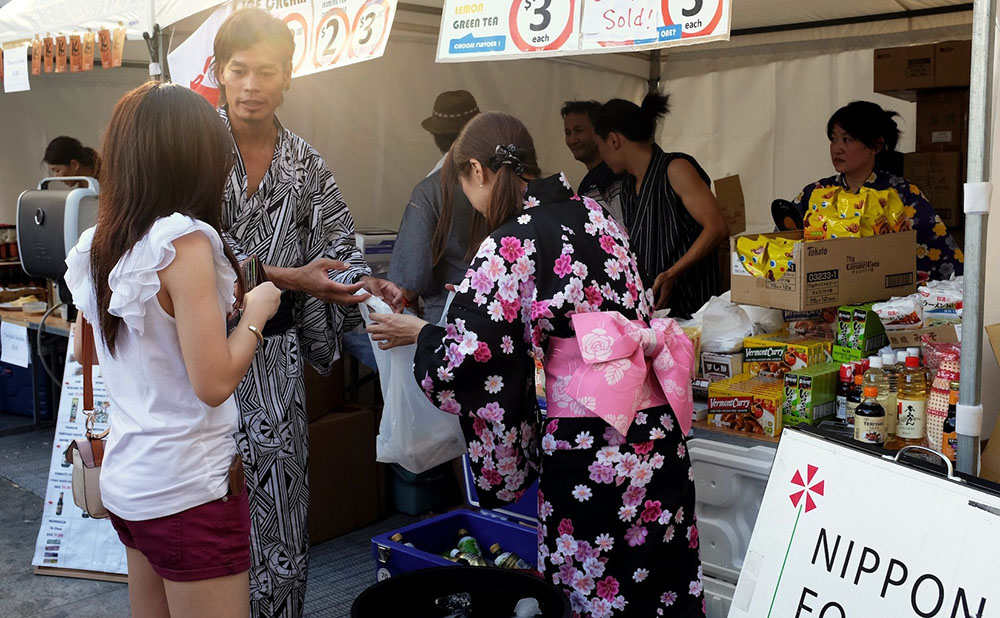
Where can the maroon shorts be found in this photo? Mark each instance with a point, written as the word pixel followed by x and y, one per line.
pixel 204 542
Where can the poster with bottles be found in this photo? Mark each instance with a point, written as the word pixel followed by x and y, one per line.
pixel 68 538
pixel 848 533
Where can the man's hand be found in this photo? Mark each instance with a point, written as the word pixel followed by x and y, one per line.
pixel 314 279
pixel 394 329
pixel 663 285
pixel 386 290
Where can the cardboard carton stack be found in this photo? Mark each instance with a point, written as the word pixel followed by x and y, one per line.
pixel 936 76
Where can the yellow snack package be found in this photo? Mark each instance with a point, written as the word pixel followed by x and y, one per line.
pixel 873 220
pixel 780 253
pixel 851 205
pixel 753 254
pixel 894 212
pixel 845 228
pixel 822 208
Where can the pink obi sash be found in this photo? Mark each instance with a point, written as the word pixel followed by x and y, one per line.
pixel 615 367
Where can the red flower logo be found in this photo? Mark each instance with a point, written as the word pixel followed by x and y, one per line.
pixel 809 488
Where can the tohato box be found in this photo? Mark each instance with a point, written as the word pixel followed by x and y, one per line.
pixel 830 273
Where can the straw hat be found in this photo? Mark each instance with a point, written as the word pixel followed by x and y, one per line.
pixel 452 109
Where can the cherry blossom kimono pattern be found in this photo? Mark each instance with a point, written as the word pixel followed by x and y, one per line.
pixel 616 512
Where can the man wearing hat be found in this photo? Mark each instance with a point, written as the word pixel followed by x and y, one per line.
pixel 419 268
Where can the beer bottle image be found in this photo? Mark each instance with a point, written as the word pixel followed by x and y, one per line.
pixel 869 419
pixel 73 408
pixel 507 559
pixel 59 504
pixel 468 545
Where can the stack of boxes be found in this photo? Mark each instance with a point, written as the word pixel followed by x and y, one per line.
pixel 936 76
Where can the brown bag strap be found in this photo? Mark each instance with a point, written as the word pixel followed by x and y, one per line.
pixel 87 331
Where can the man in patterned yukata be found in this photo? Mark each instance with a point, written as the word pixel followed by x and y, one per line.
pixel 283 206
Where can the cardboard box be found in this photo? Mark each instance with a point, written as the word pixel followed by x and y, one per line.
pixel 776 354
pixel 938 175
pixel 942 120
pixel 952 63
pixel 860 333
pixel 904 68
pixel 810 394
pixel 376 244
pixel 747 403
pixel 717 366
pixel 914 337
pixel 830 273
pixel 324 393
pixel 343 476
pixel 729 194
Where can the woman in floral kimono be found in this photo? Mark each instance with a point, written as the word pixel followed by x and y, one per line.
pixel 556 280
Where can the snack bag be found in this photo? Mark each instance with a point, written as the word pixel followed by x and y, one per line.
pixel 895 214
pixel 851 206
pixel 88 51
pixel 36 56
pixel 780 253
pixel 75 53
pixel 104 37
pixel 844 228
pixel 873 220
pixel 50 53
pixel 753 254
pixel 822 208
pixel 901 313
pixel 61 54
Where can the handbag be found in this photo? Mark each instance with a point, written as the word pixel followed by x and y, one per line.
pixel 87 454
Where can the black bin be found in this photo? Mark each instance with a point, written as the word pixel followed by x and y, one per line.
pixel 494 593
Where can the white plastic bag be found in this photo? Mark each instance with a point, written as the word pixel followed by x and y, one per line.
pixel 413 433
pixel 724 326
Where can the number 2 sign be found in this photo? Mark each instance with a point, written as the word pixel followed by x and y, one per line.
pixel 332 33
pixel 541 25
pixel 696 17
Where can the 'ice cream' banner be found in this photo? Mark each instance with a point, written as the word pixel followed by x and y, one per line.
pixel 328 34
pixel 509 29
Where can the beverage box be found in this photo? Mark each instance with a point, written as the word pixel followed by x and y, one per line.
pixel 717 366
pixel 810 394
pixel 514 527
pixel 830 273
pixel 778 353
pixel 747 403
pixel 860 333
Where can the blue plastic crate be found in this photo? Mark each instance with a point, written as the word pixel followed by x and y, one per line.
pixel 513 527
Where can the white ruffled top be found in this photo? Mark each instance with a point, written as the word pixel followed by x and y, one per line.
pixel 167 450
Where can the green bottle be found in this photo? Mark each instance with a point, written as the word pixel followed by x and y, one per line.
pixel 508 559
pixel 468 545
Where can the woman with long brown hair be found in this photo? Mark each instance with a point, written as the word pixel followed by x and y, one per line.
pixel 156 282
pixel 556 281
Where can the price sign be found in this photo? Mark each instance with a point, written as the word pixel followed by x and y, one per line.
pixel 695 18
pixel 537 25
pixel 300 31
pixel 332 34
pixel 371 25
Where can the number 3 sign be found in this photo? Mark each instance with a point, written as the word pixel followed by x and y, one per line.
pixel 695 17
pixel 541 25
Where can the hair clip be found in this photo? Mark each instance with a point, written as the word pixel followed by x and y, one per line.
pixel 506 155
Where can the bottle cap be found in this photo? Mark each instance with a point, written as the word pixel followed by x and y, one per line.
pixel 396 538
pixel 463 532
pixel 954 384
pixel 912 361
pixel 871 391
pixel 913 352
pixel 495 548
pixel 888 359
pixel 901 356
pixel 875 362
pixel 858 379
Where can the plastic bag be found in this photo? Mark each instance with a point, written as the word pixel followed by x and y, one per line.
pixel 413 433
pixel 724 326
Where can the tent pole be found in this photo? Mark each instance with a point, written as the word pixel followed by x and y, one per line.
pixel 654 70
pixel 980 129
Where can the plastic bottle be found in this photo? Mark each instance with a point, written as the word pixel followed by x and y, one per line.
pixel 398 538
pixel 854 398
pixel 876 376
pixel 869 418
pixel 844 386
pixel 949 435
pixel 912 403
pixel 892 376
pixel 927 370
